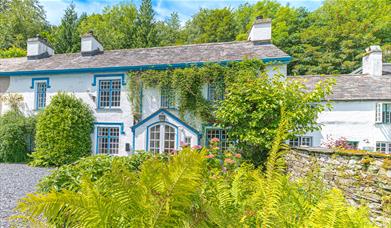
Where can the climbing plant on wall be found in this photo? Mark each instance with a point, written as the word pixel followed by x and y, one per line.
pixel 187 84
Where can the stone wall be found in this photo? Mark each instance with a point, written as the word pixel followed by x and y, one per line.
pixel 364 177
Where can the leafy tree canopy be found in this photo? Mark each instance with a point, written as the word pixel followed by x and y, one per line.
pixel 19 20
pixel 252 108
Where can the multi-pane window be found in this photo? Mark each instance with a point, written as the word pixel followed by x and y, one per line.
pixel 384 147
pixel 169 138
pixel 41 95
pixel 383 113
pixel 301 141
pixel 108 140
pixel 167 97
pixel 221 134
pixel 109 93
pixel 154 139
pixel 214 94
pixel 162 138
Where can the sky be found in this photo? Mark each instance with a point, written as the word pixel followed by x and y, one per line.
pixel 185 8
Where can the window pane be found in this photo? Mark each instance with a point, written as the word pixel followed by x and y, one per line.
pixel 109 93
pixel 167 97
pixel 108 140
pixel 41 95
pixel 154 139
pixel 169 139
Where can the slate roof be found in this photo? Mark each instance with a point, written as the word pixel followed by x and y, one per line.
pixel 210 52
pixel 357 87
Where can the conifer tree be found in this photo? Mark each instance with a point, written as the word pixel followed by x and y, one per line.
pixel 146 33
pixel 67 37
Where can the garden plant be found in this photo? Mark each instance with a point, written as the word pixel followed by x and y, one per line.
pixel 196 188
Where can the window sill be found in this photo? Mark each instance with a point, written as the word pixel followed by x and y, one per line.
pixel 108 110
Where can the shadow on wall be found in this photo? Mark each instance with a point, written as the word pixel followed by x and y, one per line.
pixel 385 129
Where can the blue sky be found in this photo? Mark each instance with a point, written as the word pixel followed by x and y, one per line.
pixel 185 8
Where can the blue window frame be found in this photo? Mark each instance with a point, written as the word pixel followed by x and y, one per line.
pixel 108 140
pixel 214 94
pixel 167 97
pixel 221 134
pixel 40 95
pixel 109 95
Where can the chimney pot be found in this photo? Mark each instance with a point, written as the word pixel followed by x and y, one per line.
pixel 372 62
pixel 261 31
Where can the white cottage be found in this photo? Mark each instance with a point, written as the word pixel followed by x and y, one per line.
pixel 98 77
pixel 361 107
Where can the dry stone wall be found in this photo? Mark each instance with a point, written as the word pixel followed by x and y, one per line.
pixel 363 177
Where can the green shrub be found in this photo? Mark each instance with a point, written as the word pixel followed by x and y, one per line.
pixel 12 52
pixel 63 131
pixel 93 168
pixel 16 136
pixel 185 192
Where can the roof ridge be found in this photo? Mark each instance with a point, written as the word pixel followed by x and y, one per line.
pixel 152 48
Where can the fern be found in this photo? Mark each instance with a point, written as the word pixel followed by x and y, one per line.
pixel 185 192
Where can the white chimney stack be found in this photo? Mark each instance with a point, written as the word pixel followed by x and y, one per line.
pixel 90 45
pixel 261 32
pixel 38 48
pixel 372 63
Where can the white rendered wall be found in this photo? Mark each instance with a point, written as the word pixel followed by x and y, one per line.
pixel 81 86
pixel 354 120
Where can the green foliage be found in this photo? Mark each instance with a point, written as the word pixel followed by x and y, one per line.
pixel 12 52
pixel 338 34
pixel 211 25
pixel 63 131
pixel 169 31
pixel 184 191
pixel 146 33
pixel 115 27
pixel 67 37
pixel 19 20
pixel 252 108
pixel 16 136
pixel 69 177
pixel 187 84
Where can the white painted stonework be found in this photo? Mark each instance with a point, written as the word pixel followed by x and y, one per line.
pixel 81 85
pixel 353 120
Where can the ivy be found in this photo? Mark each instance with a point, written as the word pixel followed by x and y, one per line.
pixel 187 84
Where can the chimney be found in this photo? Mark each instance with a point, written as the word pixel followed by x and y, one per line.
pixel 90 45
pixel 372 63
pixel 38 48
pixel 261 32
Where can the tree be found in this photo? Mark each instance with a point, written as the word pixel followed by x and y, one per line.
pixel 340 31
pixel 20 19
pixel 115 27
pixel 63 131
pixel 146 33
pixel 169 31
pixel 12 52
pixel 67 37
pixel 252 107
pixel 216 25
